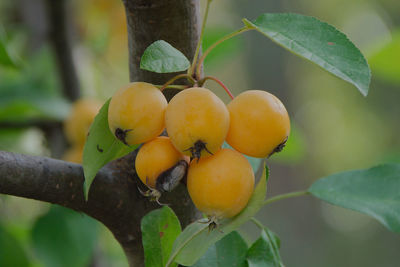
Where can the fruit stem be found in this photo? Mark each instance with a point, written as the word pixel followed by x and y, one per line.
pixel 202 81
pixel 192 68
pixel 226 37
pixel 173 79
pixel 285 196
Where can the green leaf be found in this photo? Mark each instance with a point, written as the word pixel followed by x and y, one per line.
pixel 229 251
pixel 265 251
pixel 63 237
pixel 32 93
pixel 194 241
pixel 374 191
pixel 35 108
pixel 160 228
pixel 318 42
pixel 385 61
pixel 101 147
pixel 161 57
pixel 6 58
pixel 11 251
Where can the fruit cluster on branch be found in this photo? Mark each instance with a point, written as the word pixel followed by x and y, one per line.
pixel 220 181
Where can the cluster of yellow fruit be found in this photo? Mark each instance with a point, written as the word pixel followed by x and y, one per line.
pixel 76 127
pixel 220 181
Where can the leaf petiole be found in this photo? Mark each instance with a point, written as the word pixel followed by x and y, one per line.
pixel 226 37
pixel 285 196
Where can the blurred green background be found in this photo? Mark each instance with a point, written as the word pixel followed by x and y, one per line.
pixel 334 128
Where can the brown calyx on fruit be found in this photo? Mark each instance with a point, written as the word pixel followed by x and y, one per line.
pixel 170 178
pixel 121 134
pixel 197 148
pixel 279 147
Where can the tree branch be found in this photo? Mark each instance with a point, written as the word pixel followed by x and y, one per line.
pixel 114 199
pixel 174 21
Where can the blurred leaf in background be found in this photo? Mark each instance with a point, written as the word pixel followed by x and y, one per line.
pixel 385 62
pixel 11 250
pixel 33 92
pixel 224 51
pixel 63 237
pixel 7 58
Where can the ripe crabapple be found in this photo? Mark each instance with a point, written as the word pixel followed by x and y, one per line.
pixel 74 154
pixel 222 184
pixel 160 166
pixel 136 113
pixel 197 122
pixel 259 124
pixel 76 126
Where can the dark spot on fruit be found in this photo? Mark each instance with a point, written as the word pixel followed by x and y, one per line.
pixel 166 226
pixel 161 234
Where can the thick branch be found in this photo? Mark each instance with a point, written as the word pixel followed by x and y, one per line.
pixel 174 21
pixel 114 198
pixel 40 123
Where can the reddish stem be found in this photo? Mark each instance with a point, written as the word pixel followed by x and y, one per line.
pixel 202 81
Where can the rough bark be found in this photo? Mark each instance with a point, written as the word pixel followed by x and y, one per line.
pixel 114 198
pixel 174 21
pixel 178 23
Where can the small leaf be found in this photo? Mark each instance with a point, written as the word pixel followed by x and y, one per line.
pixel 229 251
pixel 374 191
pixel 11 250
pixel 318 42
pixel 161 57
pixel 63 237
pixel 101 147
pixel 265 251
pixel 194 241
pixel 160 228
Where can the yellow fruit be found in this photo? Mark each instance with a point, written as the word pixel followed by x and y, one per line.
pixel 136 113
pixel 74 154
pixel 221 185
pixel 197 122
pixel 76 126
pixel 154 160
pixel 259 124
